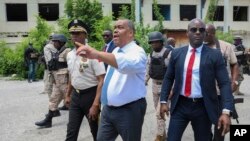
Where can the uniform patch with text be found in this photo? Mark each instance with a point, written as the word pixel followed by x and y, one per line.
pixel 239 132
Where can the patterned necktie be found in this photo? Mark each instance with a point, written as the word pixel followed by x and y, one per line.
pixel 104 97
pixel 188 83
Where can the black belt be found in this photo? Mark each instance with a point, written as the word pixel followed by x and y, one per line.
pixel 125 105
pixel 191 99
pixel 85 90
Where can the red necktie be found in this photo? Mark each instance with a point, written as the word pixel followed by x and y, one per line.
pixel 188 82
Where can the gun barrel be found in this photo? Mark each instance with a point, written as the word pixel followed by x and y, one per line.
pixel 238 100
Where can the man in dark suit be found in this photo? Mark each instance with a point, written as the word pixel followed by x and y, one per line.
pixel 109 44
pixel 170 43
pixel 194 70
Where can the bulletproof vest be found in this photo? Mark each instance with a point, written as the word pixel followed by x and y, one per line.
pixel 54 63
pixel 157 67
pixel 242 60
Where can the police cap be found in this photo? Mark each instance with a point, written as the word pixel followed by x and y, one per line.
pixel 77 26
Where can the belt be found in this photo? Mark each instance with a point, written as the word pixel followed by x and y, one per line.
pixel 125 105
pixel 85 90
pixel 191 99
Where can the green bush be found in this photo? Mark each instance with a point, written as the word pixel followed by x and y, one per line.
pixel 12 61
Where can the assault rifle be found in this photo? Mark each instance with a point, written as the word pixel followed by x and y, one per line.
pixel 234 112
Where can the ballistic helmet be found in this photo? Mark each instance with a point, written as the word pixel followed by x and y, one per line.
pixel 59 37
pixel 155 36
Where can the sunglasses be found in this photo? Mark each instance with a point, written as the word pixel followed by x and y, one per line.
pixel 105 35
pixel 194 30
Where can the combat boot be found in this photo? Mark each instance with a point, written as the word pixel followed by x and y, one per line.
pixel 64 107
pixel 56 113
pixel 47 122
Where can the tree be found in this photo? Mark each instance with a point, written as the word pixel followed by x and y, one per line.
pixel 210 19
pixel 211 11
pixel 88 11
pixel 159 17
pixel 12 62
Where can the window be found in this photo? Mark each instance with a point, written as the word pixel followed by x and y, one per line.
pixel 187 12
pixel 117 8
pixel 16 12
pixel 164 10
pixel 49 12
pixel 240 13
pixel 219 13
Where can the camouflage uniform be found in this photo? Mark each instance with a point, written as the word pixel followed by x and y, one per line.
pixel 47 74
pixel 240 53
pixel 60 82
pixel 156 89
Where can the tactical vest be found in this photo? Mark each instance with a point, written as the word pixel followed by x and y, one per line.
pixel 54 64
pixel 242 59
pixel 157 67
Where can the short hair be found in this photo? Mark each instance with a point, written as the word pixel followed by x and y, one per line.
pixel 130 24
pixel 109 30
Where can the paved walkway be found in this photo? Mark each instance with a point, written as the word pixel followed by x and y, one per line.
pixel 21 105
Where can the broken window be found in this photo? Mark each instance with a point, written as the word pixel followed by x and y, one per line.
pixel 16 12
pixel 117 8
pixel 164 10
pixel 187 12
pixel 219 13
pixel 240 13
pixel 49 12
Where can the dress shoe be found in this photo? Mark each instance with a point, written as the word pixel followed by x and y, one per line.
pixel 64 107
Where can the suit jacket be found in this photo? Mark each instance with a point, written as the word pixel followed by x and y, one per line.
pixel 212 69
pixel 110 49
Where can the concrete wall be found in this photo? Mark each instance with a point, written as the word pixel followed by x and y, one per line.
pixel 242 28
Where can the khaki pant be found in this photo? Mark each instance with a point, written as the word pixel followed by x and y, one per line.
pixel 59 89
pixel 47 83
pixel 156 89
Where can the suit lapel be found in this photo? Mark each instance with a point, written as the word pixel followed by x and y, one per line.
pixel 204 55
pixel 182 61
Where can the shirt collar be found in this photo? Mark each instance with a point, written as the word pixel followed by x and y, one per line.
pixel 197 49
pixel 127 46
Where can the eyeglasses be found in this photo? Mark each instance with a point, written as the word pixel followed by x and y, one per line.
pixel 194 30
pixel 105 35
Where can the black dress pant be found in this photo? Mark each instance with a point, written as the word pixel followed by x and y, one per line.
pixel 81 102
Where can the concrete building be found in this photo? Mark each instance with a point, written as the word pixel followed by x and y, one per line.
pixel 177 14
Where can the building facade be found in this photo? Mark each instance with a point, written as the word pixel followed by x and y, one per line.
pixel 17 16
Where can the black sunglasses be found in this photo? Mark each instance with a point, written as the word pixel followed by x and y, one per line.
pixel 105 35
pixel 194 30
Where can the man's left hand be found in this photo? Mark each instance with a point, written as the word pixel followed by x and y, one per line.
pixel 93 112
pixel 224 122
